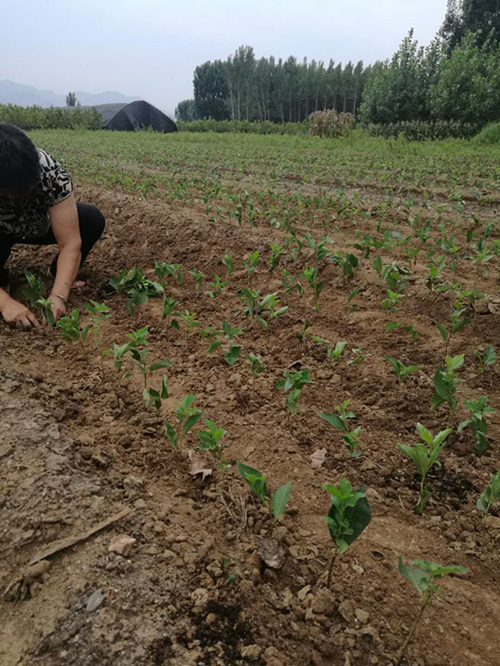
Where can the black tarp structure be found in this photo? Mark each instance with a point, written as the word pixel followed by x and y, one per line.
pixel 134 116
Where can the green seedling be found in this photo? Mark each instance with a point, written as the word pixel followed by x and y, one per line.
pixel 310 274
pixel 277 251
pixel 136 286
pixel 199 277
pixel 189 321
pixel 358 357
pixel 233 353
pixel 252 263
pixel 188 416
pixel 258 485
pixel 406 328
pixel 217 286
pixel 348 517
pixel 396 277
pixel 213 440
pixel 422 576
pixel 291 284
pixel 301 335
pixel 334 354
pixel 402 371
pixel 434 280
pixel 292 384
pixel 457 322
pixel 98 312
pixel 33 290
pixel 169 310
pixel 392 301
pixel 487 358
pixel 477 422
pixel 153 397
pixel 228 262
pixel 491 494
pixel 256 366
pixel 351 297
pixel 256 308
pixel 349 265
pixel 341 421
pixel 424 455
pixel 46 308
pixel 72 330
pixel 445 383
pixel 165 270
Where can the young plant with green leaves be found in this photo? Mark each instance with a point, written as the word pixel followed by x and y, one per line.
pixel 33 291
pixel 232 353
pixel 189 321
pixel 302 334
pixel 392 301
pixel 333 353
pixel 292 385
pixel 46 309
pixel 477 422
pixel 165 271
pixel 136 286
pixel 487 358
pixel 217 286
pixel 311 276
pixel 188 416
pixel 402 371
pixel 252 263
pixel 425 455
pixel 213 440
pixel 256 308
pixel 358 357
pixel 258 485
pixel 348 517
pixel 406 328
pixel 198 277
pixel 277 251
pixel 457 322
pixel 341 422
pixel 256 366
pixel 422 576
pixel 446 381
pixel 71 329
pixel 228 262
pixel 491 494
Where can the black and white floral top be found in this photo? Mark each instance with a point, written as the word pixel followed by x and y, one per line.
pixel 31 219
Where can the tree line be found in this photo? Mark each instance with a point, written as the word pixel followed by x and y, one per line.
pixel 246 88
pixel 456 78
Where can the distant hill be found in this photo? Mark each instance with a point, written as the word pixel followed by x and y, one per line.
pixel 22 95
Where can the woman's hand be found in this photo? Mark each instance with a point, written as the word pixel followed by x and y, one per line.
pixel 18 315
pixel 58 307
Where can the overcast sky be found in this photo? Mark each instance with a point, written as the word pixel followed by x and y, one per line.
pixel 150 48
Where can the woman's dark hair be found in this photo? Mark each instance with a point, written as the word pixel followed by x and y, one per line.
pixel 19 161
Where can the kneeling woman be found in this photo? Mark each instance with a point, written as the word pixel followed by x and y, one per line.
pixel 37 207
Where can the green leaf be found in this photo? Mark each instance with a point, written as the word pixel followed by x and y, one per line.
pixel 333 420
pixel 166 363
pixel 171 434
pixel 443 330
pixel 263 323
pixel 215 345
pixel 191 421
pixel 418 578
pixel 280 499
pixel 164 388
pixel 233 354
pixel 353 294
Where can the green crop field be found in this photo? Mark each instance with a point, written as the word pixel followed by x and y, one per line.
pixel 273 330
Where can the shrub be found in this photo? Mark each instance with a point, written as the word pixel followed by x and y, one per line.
pixel 330 124
pixel 489 135
pixel 417 130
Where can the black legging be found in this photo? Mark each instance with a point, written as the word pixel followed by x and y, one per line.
pixel 92 223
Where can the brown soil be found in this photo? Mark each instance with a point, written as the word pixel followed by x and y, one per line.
pixel 75 449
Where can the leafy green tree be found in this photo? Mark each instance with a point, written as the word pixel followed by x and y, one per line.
pixel 186 110
pixel 211 90
pixel 470 15
pixel 71 99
